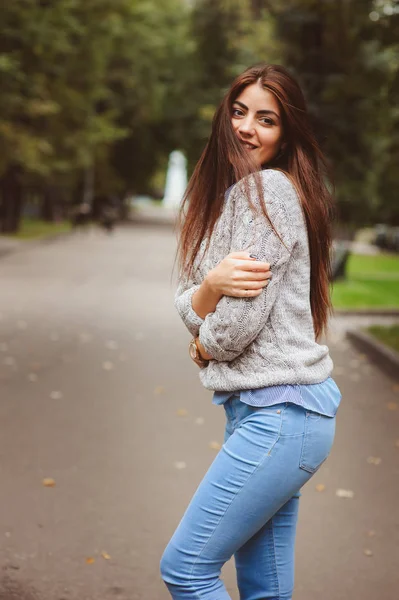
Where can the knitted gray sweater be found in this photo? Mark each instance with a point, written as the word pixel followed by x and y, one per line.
pixel 266 340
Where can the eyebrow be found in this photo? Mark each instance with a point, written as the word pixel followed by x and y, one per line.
pixel 258 112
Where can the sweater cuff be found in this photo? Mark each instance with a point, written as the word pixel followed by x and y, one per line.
pixel 185 309
pixel 212 347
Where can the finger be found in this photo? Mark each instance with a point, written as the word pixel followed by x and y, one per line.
pixel 244 255
pixel 253 265
pixel 248 293
pixel 246 276
pixel 252 285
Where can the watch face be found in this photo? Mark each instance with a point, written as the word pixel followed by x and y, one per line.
pixel 193 350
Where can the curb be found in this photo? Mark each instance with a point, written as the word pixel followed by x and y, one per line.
pixel 385 358
pixel 367 312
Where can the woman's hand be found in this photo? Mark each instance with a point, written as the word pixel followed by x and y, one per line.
pixel 239 275
pixel 204 354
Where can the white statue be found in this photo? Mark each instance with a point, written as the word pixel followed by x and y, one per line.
pixel 176 180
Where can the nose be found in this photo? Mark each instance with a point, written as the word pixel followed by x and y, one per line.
pixel 246 126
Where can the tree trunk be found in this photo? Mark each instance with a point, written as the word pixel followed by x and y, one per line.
pixel 11 200
pixel 48 209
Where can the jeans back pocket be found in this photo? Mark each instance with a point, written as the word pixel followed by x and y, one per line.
pixel 318 439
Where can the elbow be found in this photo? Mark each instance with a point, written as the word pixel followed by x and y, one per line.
pixel 216 348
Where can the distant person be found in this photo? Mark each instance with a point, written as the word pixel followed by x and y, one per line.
pixel 254 255
pixel 80 214
pixel 108 216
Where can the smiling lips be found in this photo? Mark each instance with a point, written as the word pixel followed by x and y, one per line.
pixel 248 145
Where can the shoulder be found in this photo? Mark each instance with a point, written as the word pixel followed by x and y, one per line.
pixel 277 182
pixel 277 188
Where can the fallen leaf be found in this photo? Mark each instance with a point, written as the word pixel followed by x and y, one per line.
pixel 56 395
pixel 48 482
pixel 215 445
pixel 201 421
pixel 90 560
pixel 108 365
pixel 392 406
pixel 182 412
pixel 105 555
pixel 159 390
pixel 179 464
pixel 344 493
pixel 320 487
pixel 374 460
pixel 368 552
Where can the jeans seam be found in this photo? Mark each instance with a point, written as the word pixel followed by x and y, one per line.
pixel 235 495
pixel 275 559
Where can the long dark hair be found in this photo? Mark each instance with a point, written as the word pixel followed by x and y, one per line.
pixel 224 162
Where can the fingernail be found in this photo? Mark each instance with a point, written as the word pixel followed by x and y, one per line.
pixel 253 256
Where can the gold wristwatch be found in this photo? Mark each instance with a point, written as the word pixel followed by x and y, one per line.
pixel 195 354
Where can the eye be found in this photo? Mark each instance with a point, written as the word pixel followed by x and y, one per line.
pixel 266 121
pixel 237 112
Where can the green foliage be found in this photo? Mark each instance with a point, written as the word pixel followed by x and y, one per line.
pixel 79 76
pixel 372 282
pixel 228 38
pixel 346 54
pixel 110 87
pixel 34 229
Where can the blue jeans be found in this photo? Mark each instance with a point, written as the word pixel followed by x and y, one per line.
pixel 247 504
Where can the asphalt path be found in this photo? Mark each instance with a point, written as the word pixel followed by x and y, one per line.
pixel 106 433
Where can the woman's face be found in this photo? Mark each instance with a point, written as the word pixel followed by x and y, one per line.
pixel 256 120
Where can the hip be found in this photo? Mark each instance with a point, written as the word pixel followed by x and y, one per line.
pixel 295 429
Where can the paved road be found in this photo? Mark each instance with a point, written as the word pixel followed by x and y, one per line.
pixel 93 372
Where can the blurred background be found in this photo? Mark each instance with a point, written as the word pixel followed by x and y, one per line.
pixel 105 107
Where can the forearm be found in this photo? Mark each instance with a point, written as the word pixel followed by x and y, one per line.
pixel 205 299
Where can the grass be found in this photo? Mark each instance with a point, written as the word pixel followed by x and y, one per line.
pixel 386 335
pixel 372 282
pixel 35 229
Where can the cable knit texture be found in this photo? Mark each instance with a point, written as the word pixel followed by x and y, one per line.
pixel 267 340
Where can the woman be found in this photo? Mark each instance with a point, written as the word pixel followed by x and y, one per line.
pixel 254 293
